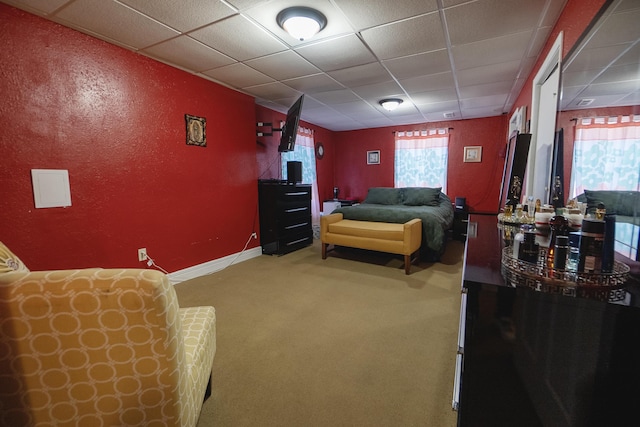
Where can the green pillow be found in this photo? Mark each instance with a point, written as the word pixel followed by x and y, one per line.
pixel 383 196
pixel 625 203
pixel 422 196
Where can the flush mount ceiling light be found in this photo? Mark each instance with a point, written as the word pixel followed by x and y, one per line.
pixel 301 22
pixel 390 104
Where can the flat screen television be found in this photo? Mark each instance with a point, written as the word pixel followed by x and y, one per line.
pixel 290 129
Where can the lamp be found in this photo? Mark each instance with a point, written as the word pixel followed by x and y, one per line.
pixel 390 104
pixel 301 22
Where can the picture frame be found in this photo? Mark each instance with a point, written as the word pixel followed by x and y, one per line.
pixel 513 174
pixel 473 154
pixel 196 130
pixel 373 157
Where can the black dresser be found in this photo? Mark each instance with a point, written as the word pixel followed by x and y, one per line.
pixel 285 216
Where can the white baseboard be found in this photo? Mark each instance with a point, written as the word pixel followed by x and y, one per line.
pixel 213 265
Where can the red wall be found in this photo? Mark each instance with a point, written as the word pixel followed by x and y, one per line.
pixel 115 120
pixel 479 183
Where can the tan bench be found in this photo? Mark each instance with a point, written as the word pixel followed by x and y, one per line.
pixel 403 239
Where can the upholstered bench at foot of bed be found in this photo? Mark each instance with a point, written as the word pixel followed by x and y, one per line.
pixel 402 239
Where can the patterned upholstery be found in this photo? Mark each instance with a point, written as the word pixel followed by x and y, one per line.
pixel 100 347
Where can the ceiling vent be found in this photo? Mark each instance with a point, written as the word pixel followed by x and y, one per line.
pixel 584 102
pixel 449 115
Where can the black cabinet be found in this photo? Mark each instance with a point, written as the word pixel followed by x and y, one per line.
pixel 285 216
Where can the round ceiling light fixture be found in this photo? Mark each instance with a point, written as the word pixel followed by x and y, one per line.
pixel 301 22
pixel 391 104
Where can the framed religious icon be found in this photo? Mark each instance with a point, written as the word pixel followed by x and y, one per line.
pixel 196 130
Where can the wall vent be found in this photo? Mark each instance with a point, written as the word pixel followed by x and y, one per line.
pixel 584 102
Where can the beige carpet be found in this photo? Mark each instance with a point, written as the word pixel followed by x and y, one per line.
pixel 346 341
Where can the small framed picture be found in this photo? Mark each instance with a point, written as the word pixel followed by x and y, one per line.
pixel 473 154
pixel 196 130
pixel 373 157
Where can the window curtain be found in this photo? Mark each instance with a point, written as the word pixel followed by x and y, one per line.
pixel 606 154
pixel 304 151
pixel 421 158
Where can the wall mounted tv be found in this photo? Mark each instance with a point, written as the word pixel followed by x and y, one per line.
pixel 290 129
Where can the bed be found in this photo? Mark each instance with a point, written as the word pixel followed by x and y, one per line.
pixel 399 205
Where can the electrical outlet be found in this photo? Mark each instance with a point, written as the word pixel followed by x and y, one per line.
pixel 254 235
pixel 142 254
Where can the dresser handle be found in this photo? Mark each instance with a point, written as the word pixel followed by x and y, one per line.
pixel 297 241
pixel 296 225
pixel 295 210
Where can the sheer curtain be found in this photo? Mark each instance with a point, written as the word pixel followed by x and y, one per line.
pixel 421 158
pixel 606 154
pixel 304 151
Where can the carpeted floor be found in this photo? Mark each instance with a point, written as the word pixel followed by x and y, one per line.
pixel 346 341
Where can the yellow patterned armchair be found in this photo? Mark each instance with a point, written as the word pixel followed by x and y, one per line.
pixel 100 347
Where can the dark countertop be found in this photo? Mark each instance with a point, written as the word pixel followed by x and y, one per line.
pixel 534 358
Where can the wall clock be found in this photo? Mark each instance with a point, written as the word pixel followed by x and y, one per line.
pixel 319 150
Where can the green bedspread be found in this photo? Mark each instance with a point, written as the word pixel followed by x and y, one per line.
pixel 436 220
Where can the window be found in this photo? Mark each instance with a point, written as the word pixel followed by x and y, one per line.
pixel 304 151
pixel 421 159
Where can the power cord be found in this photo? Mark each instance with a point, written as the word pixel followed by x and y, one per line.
pixel 151 262
pixel 254 235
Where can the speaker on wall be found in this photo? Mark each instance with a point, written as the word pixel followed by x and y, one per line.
pixel 294 172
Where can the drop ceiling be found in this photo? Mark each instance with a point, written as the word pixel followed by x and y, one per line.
pixel 445 58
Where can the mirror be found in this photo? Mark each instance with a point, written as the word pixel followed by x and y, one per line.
pixel 603 69
pixel 601 77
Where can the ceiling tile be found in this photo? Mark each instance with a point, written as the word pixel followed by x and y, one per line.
pixel 407 37
pixel 184 15
pixel 493 101
pixel 501 72
pixel 272 91
pixel 187 52
pixel 229 37
pixel 379 90
pixel 283 65
pixel 37 6
pixel 619 28
pixel 432 82
pixel 491 51
pixel 419 64
pixel 486 19
pixel 313 84
pixel 484 90
pixel 238 75
pixel 108 19
pixel 336 96
pixel 369 13
pixel 435 96
pixel 362 74
pixel 336 54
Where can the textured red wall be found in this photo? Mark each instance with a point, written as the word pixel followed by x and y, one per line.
pixel 479 183
pixel 115 120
